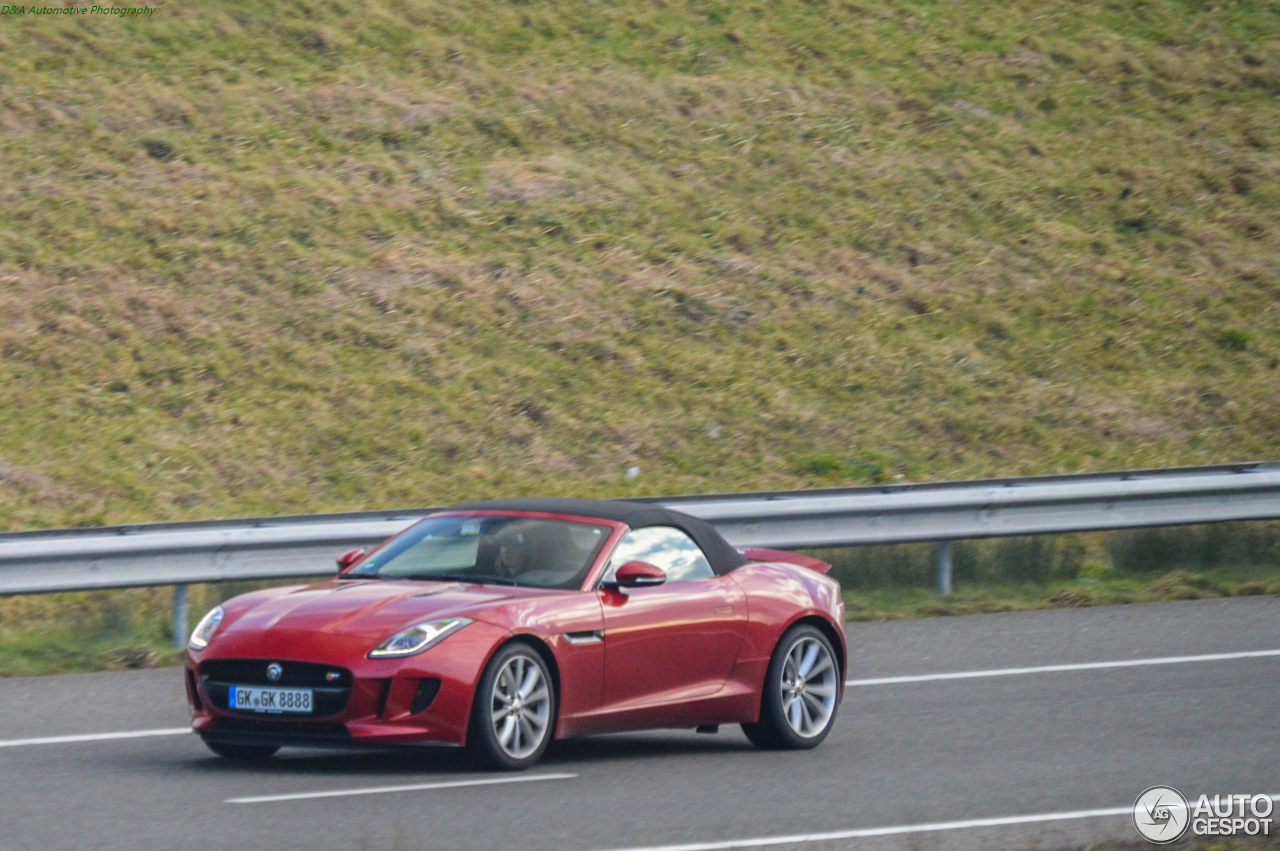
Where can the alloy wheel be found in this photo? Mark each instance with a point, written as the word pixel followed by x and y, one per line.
pixel 520 707
pixel 808 687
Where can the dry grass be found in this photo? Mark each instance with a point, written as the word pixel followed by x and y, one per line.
pixel 268 258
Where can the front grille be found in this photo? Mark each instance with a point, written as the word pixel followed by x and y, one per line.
pixel 253 672
pixel 330 685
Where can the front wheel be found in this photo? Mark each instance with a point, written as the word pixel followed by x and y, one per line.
pixel 514 711
pixel 798 705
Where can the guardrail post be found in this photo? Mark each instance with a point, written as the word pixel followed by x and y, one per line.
pixel 944 567
pixel 179 616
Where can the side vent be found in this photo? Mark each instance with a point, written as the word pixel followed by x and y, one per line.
pixel 427 691
pixel 193 693
pixel 384 692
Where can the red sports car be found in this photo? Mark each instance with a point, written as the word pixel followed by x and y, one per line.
pixel 498 626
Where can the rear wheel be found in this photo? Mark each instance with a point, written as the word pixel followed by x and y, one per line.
pixel 242 751
pixel 798 704
pixel 514 712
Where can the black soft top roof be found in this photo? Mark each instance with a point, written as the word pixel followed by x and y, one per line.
pixel 637 515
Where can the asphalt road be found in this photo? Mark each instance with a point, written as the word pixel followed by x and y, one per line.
pixel 901 755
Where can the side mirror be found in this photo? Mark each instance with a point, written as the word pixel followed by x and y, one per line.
pixel 637 574
pixel 349 558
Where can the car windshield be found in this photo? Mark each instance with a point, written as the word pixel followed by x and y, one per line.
pixel 490 549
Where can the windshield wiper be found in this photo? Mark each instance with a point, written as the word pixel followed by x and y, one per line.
pixel 478 579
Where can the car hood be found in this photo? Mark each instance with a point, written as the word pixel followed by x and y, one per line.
pixel 366 611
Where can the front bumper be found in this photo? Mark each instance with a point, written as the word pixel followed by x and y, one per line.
pixel 422 700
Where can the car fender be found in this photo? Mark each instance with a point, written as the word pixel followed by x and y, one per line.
pixel 567 626
pixel 779 596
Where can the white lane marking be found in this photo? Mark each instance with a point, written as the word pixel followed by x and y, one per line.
pixel 1046 669
pixel 859 833
pixel 95 737
pixel 415 787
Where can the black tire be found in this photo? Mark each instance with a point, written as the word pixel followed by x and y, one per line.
pixel 524 747
pixel 774 731
pixel 244 752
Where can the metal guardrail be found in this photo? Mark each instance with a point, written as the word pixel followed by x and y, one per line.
pixel 897 514
pixel 948 511
pixel 180 553
pixel 302 546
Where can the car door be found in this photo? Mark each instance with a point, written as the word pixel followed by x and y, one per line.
pixel 676 641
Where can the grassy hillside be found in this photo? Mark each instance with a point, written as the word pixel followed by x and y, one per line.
pixel 273 257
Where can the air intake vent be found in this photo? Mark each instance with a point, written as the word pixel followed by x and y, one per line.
pixel 193 693
pixel 427 691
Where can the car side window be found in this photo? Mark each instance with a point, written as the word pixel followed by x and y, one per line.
pixel 665 547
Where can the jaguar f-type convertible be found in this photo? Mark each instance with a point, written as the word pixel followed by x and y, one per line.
pixel 499 626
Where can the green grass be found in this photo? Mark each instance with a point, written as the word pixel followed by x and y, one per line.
pixel 99 630
pixel 1061 571
pixel 893 603
pixel 44 649
pixel 278 257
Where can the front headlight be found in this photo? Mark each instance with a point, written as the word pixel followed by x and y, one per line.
pixel 415 639
pixel 203 633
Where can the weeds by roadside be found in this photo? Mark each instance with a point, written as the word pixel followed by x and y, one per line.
pixel 99 630
pixel 909 602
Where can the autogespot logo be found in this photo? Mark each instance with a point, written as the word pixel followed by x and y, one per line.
pixel 1161 815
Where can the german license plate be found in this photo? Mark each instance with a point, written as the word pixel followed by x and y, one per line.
pixel 258 699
